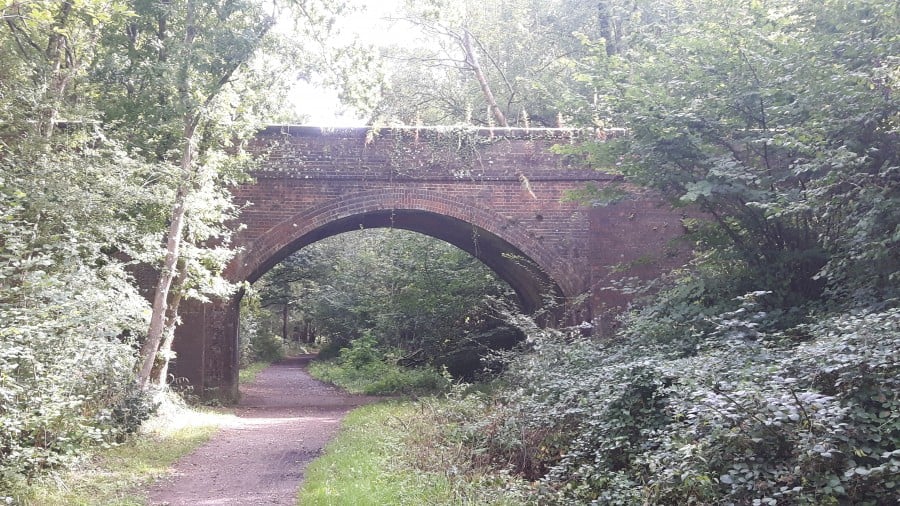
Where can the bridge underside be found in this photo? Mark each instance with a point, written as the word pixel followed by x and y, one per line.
pixel 208 338
pixel 532 285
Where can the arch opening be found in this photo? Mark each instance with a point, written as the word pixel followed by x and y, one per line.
pixel 533 285
pixel 207 343
pixel 419 300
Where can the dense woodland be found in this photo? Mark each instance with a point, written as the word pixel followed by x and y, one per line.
pixel 765 371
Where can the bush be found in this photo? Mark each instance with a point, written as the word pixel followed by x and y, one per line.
pixel 258 343
pixel 266 348
pixel 362 352
pixel 65 364
pixel 132 411
pixel 380 378
pixel 807 416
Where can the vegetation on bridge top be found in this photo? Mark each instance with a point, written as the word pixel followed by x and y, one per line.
pixel 443 131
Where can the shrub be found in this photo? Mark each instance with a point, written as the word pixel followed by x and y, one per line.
pixel 65 362
pixel 361 352
pixel 377 377
pixel 133 409
pixel 266 348
pixel 805 416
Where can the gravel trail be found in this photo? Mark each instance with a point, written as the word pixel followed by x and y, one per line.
pixel 285 418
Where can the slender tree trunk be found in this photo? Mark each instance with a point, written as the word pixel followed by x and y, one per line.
pixel 57 54
pixel 608 29
pixel 170 264
pixel 285 321
pixel 472 59
pixel 167 275
pixel 309 333
pixel 161 371
pixel 164 355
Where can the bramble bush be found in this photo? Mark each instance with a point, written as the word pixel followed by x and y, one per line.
pixel 69 316
pixel 804 416
pixel 66 369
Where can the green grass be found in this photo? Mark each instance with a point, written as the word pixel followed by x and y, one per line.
pixel 357 468
pixel 379 378
pixel 120 475
pixel 384 455
pixel 248 374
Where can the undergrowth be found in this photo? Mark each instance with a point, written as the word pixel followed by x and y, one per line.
pixel 119 474
pixel 383 455
pixel 803 416
pixel 362 369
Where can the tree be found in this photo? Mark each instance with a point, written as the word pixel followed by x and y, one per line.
pixel 776 119
pixel 496 63
pixel 71 200
pixel 191 80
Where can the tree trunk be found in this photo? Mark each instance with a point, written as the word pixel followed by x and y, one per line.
pixel 176 226
pixel 608 29
pixel 167 275
pixel 170 264
pixel 57 56
pixel 472 60
pixel 285 321
pixel 161 366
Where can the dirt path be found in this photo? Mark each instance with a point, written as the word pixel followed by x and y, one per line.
pixel 285 418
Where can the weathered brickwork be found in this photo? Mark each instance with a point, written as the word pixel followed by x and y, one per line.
pixel 498 194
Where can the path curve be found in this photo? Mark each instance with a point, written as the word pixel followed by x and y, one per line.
pixel 285 418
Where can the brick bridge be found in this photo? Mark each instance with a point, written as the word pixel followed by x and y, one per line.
pixel 499 194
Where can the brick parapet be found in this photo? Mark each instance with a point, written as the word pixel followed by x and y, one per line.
pixel 421 154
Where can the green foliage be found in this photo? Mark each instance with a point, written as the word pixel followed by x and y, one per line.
pixel 807 416
pixel 775 118
pixel 65 375
pixel 258 341
pixel 362 352
pixel 132 411
pixel 67 305
pixel 528 52
pixel 267 347
pixel 364 368
pixel 423 300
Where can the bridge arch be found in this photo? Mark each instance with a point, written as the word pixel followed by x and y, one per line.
pixel 517 257
pixel 500 194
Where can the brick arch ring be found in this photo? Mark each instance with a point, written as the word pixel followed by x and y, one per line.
pixel 508 249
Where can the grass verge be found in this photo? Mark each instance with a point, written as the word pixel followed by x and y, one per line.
pixel 119 475
pixel 248 374
pixel 379 378
pixel 376 460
